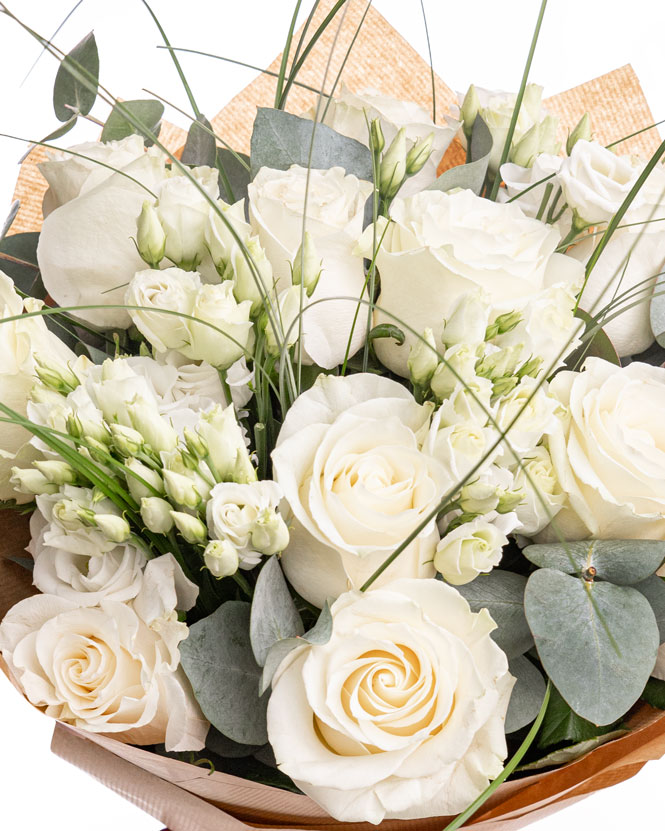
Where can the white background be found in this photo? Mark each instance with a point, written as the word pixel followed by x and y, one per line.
pixel 479 41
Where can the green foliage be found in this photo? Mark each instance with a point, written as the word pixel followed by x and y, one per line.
pixel 387 330
pixel 598 344
pixel 527 695
pixel 574 751
pixel 201 146
pixel 218 660
pixel 470 175
pixel 561 724
pixel 502 594
pixel 70 96
pixel 274 616
pixel 280 140
pixel 653 588
pixel 596 641
pixel 236 175
pixel 25 272
pixel 147 111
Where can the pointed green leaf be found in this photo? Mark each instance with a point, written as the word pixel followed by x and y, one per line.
pixel 471 175
pixel 201 146
pixel 148 112
pixel 274 615
pixel 237 175
pixel 599 345
pixel 70 96
pixel 575 751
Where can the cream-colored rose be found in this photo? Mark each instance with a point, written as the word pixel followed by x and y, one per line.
pixel 71 175
pixel 469 550
pixel 20 341
pixel 350 463
pixel 334 210
pixel 350 113
pixel 401 714
pixel 609 458
pixel 111 669
pixel 543 497
pixel 595 181
pixel 450 244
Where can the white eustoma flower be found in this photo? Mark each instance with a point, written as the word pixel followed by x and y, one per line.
pixel 350 463
pixel 529 181
pixel 71 516
pixel 231 338
pixel 471 549
pixel 453 244
pixel 526 414
pixel 334 218
pixel 401 714
pixel 160 292
pixel 543 496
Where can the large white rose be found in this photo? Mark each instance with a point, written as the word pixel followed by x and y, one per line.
pixel 609 457
pixel 350 112
pixel 401 714
pixel 449 244
pixel 112 669
pixel 335 205
pixel 20 341
pixel 71 175
pixel 350 463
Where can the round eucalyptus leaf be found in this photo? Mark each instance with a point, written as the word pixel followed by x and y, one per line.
pixel 527 695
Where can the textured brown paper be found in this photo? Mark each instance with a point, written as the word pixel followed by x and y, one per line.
pixel 185 797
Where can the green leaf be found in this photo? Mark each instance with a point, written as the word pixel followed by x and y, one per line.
pixel 527 695
pixel 502 594
pixel 11 216
pixel 653 588
pixel 657 312
pixel 218 660
pixel 70 96
pixel 149 112
pixel 623 562
pixel 237 175
pixel 322 630
pixel 654 693
pixel 280 139
pixel 227 748
pixel 201 146
pixel 561 724
pixel 597 641
pixel 470 175
pixel 274 616
pixel 387 330
pixel 575 751
pixel 25 272
pixel 599 345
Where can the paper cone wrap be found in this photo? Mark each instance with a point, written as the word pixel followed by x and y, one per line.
pixel 186 797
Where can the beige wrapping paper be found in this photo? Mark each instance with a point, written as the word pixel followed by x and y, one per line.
pixel 186 797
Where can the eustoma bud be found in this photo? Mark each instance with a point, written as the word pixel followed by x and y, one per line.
pixel 393 166
pixel 221 558
pixel 150 236
pixel 307 265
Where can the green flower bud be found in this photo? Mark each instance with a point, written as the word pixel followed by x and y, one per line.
pixel 156 514
pixel 418 155
pixel 197 448
pixel 126 441
pixel 57 472
pixel 29 480
pixel 57 377
pixel 530 368
pixel 423 359
pixel 269 534
pixel 114 527
pixel 150 236
pixel 509 500
pixel 393 166
pixel 155 430
pixel 469 110
pixel 221 558
pixel 378 139
pixel 191 527
pixel 181 490
pixel 581 131
pixel 307 266
pixel 137 489
pixel 503 324
pixel 501 363
pixel 502 386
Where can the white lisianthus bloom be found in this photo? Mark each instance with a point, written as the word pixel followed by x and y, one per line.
pixel 111 669
pixel 543 496
pixel 71 175
pixel 462 446
pixel 428 688
pixel 520 180
pixel 233 335
pixel 335 206
pixel 200 383
pixel 526 414
pixel 471 549
pixel 218 237
pixel 609 458
pixel 350 113
pixel 238 513
pixel 452 244
pixel 350 463
pixel 170 289
pixel 20 341
pixel 595 181
pixel 70 514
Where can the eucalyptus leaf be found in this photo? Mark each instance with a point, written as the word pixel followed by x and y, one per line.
pixel 70 96
pixel 599 346
pixel 147 111
pixel 654 693
pixel 657 312
pixel 623 562
pixel 597 641
pixel 60 131
pixel 218 660
pixel 280 140
pixel 25 562
pixel 387 330
pixel 274 616
pixel 653 588
pixel 236 178
pixel 227 748
pixel 322 630
pixel 502 594
pixel 11 216
pixel 471 175
pixel 561 724
pixel 575 751
pixel 527 695
pixel 25 272
pixel 201 146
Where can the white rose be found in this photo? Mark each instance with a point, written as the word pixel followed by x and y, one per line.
pixel 69 176
pixel 234 511
pixel 172 289
pixel 607 458
pixel 401 714
pixel 335 206
pixel 350 113
pixel 595 181
pixel 107 669
pixel 469 550
pixel 543 497
pixel 20 341
pixel 450 244
pixel 232 336
pixel 349 461
pixel 183 212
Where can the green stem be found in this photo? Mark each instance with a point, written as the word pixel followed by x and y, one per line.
pixel 285 57
pixel 241 580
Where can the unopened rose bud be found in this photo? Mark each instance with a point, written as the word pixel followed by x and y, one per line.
pixel 191 527
pixel 150 236
pixel 156 514
pixel 469 110
pixel 181 490
pixel 57 472
pixel 378 139
pixel 253 279
pixel 137 471
pixel 155 429
pixel 503 324
pixel 29 480
pixel 423 359
pixel 581 131
pixel 270 534
pixel 114 528
pixel 478 498
pixel 307 266
pixel 393 166
pixel 126 441
pixel 418 155
pixel 57 377
pixel 221 558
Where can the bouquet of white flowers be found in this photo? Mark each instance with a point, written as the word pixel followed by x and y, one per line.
pixel 344 468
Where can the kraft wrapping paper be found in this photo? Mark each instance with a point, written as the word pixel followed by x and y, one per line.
pixel 185 797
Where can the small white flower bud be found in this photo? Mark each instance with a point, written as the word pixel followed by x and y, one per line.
pixel 29 480
pixel 156 430
pixel 378 139
pixel 252 283
pixel 393 166
pixel 114 527
pixel 423 359
pixel 180 489
pixel 479 498
pixel 469 110
pixel 156 514
pixel 307 265
pixel 125 440
pixel 57 472
pixel 137 489
pixel 284 319
pixel 582 131
pixel 191 527
pixel 418 155
pixel 467 322
pixel 221 558
pixel 150 236
pixel 269 533
pixel 55 376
